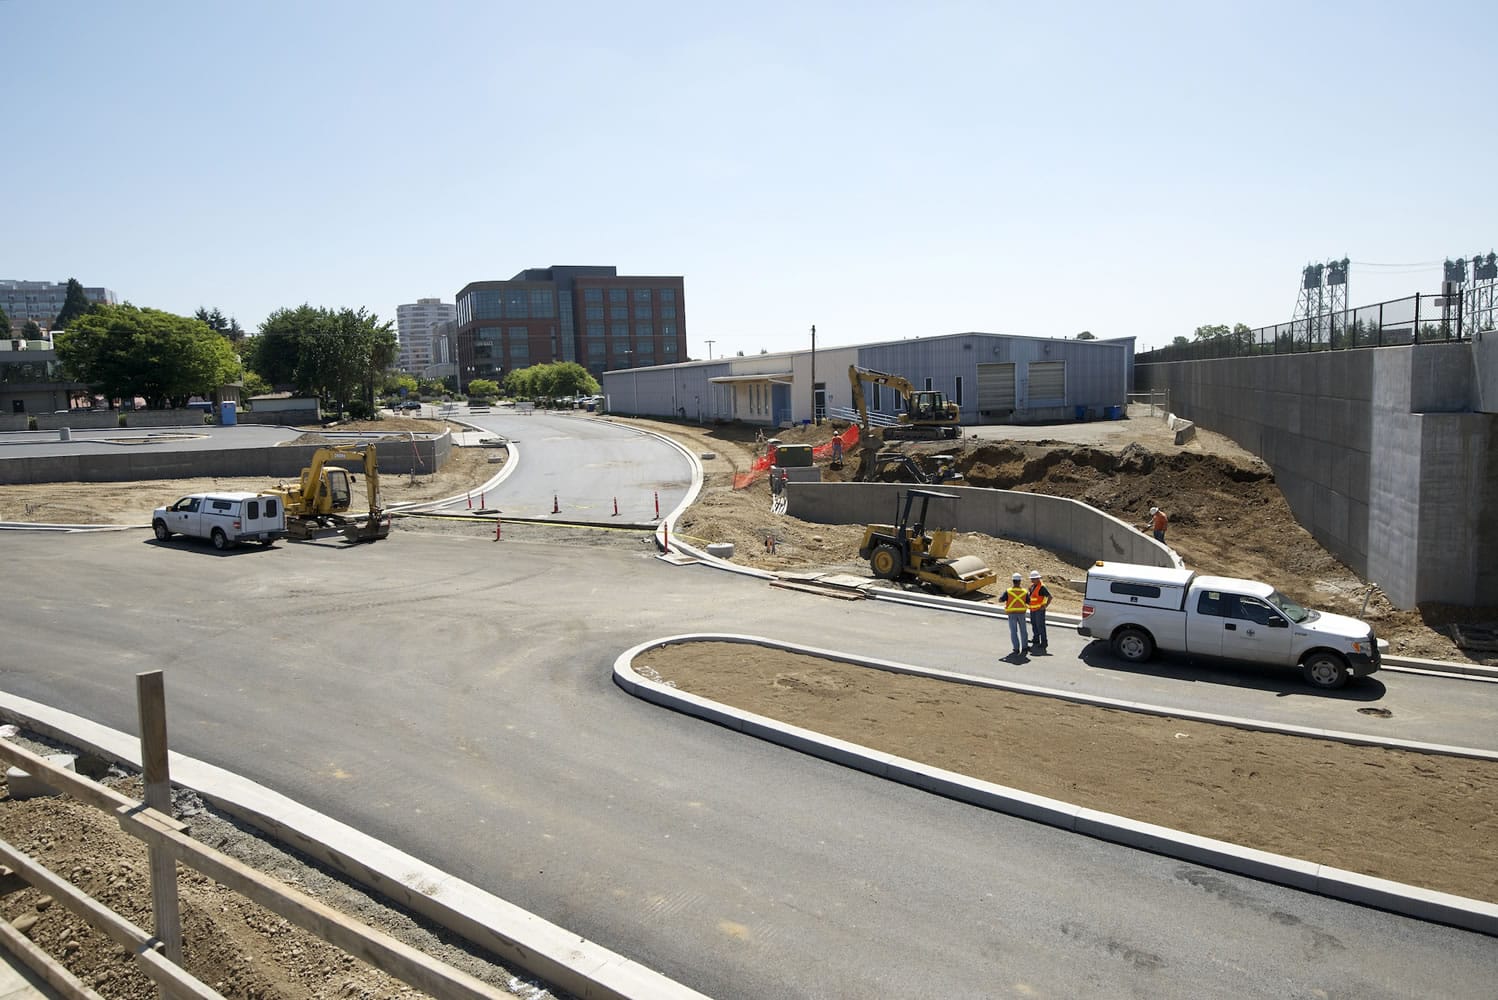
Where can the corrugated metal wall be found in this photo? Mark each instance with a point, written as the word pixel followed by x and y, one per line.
pixel 1066 374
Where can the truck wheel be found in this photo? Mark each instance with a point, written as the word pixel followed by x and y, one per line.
pixel 220 540
pixel 886 562
pixel 1324 670
pixel 1133 644
pixel 162 532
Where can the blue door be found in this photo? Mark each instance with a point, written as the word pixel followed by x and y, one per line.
pixel 780 403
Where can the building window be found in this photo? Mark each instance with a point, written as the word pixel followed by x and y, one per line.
pixel 644 331
pixel 597 350
pixel 595 330
pixel 642 311
pixel 592 294
pixel 543 304
pixel 594 312
pixel 520 353
pixel 619 312
pixel 486 305
pixel 515 304
pixel 668 347
pixel 957 398
pixel 620 332
pixel 878 398
pixel 668 330
pixel 618 295
pixel 668 295
pixel 668 311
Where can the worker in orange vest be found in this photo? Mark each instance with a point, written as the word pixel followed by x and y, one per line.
pixel 1157 523
pixel 1037 598
pixel 1016 607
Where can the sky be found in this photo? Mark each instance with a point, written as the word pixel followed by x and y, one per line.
pixel 878 170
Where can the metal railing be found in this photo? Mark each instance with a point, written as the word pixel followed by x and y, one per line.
pixel 1419 319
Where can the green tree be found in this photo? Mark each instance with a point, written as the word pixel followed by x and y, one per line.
pixel 336 356
pixel 216 322
pixel 254 385
pixel 1213 332
pixel 568 378
pixel 1086 335
pixel 1180 342
pixel 123 351
pixel 483 388
pixel 31 330
pixel 4 324
pixel 74 305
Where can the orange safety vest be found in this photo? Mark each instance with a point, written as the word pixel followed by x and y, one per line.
pixel 1037 600
pixel 1014 601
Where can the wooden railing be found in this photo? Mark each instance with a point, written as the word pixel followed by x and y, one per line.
pixel 167 842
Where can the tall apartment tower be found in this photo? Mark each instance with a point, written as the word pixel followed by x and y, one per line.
pixel 413 332
pixel 594 316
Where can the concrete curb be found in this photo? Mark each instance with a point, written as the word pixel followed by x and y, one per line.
pixel 518 937
pixel 1397 897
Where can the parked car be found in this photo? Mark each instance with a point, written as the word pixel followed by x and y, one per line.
pixel 410 404
pixel 225 519
pixel 1141 609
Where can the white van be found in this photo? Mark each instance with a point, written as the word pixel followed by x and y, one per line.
pixel 223 518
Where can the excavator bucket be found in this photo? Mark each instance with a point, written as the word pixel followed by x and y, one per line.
pixel 370 529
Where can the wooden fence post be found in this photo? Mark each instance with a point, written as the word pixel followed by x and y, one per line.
pixel 150 697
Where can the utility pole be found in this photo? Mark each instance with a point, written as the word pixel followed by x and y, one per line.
pixel 814 415
pixel 710 344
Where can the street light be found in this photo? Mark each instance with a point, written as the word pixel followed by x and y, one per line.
pixel 814 414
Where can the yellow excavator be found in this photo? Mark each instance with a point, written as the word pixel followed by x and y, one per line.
pixel 907 549
pixel 928 414
pixel 318 505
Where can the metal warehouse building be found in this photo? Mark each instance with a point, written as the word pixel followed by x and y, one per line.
pixel 993 378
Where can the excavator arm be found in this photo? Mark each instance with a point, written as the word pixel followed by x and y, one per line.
pixel 858 376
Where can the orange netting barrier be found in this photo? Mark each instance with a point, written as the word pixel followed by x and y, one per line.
pixel 847 439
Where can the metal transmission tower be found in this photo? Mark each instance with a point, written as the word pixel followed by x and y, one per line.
pixel 1480 308
pixel 1321 307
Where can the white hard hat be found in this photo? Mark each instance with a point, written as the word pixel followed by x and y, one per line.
pixel 1016 578
pixel 1154 510
pixel 1035 574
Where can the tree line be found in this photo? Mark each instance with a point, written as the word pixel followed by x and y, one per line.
pixel 124 351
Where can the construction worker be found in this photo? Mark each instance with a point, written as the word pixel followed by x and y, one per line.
pixel 1016 607
pixel 1037 599
pixel 1156 523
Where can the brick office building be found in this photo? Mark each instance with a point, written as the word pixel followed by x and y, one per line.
pixel 591 315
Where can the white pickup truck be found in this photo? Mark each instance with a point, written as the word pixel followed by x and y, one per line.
pixel 224 518
pixel 1142 609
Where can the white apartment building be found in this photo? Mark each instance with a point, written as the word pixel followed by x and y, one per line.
pixel 413 331
pixel 43 300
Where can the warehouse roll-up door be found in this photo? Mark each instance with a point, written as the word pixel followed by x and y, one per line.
pixel 996 388
pixel 1047 382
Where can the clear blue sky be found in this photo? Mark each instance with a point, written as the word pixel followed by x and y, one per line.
pixel 880 170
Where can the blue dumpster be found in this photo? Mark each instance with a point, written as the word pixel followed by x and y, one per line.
pixel 1115 413
pixel 1081 414
pixel 228 416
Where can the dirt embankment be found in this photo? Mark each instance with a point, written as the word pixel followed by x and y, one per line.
pixel 1227 517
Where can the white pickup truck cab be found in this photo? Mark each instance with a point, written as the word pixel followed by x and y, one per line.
pixel 1143 609
pixel 223 518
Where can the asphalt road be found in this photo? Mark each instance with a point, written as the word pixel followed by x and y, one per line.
pixel 580 465
pixel 452 696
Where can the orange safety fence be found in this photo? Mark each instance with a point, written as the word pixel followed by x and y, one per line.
pixel 847 438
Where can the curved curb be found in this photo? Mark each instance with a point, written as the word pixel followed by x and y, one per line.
pixel 1408 900
pixel 518 937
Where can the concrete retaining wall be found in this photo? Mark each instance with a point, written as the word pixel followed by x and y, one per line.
pixel 1383 455
pixel 15 421
pixel 90 419
pixel 274 463
pixel 1068 527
